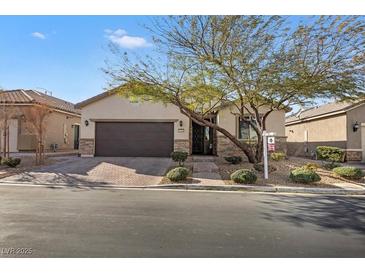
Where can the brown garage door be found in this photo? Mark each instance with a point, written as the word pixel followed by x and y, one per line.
pixel 134 139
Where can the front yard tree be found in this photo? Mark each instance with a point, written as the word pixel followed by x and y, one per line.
pixel 258 64
pixel 36 119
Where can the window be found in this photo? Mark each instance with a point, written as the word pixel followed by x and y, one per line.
pixel 246 131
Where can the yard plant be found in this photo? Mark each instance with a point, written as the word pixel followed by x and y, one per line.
pixel 330 154
pixel 349 172
pixel 10 162
pixel 179 156
pixel 304 175
pixel 177 174
pixel 311 166
pixel 277 156
pixel 244 176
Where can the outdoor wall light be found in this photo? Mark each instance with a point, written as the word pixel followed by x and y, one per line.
pixel 355 126
pixel 86 122
pixel 181 123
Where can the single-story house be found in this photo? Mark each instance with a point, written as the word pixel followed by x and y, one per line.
pixel 62 125
pixel 339 124
pixel 112 125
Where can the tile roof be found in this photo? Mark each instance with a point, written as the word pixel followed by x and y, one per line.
pixel 331 108
pixel 21 96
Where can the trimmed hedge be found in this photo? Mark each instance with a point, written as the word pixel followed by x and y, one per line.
pixel 233 159
pixel 304 175
pixel 277 156
pixel 179 156
pixel 244 176
pixel 11 162
pixel 331 154
pixel 349 172
pixel 177 174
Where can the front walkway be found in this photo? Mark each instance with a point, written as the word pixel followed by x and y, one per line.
pixel 205 171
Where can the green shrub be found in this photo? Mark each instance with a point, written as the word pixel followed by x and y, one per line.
pixel 277 156
pixel 244 176
pixel 233 159
pixel 304 175
pixel 260 167
pixel 330 154
pixel 11 162
pixel 330 165
pixel 311 166
pixel 178 174
pixel 349 172
pixel 179 156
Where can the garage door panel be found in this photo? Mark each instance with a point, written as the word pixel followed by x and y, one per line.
pixel 134 139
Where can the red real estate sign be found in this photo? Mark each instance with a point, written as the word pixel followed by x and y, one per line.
pixel 271 143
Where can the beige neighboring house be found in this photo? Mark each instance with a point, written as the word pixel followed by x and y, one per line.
pixel 114 126
pixel 339 124
pixel 62 125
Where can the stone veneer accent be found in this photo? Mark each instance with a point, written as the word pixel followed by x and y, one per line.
pixel 87 147
pixel 353 155
pixel 182 145
pixel 226 148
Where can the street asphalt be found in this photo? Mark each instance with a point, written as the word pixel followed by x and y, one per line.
pixel 83 222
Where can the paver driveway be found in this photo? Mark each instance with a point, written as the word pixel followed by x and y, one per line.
pixel 125 171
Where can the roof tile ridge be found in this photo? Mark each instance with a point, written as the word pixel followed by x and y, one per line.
pixel 27 95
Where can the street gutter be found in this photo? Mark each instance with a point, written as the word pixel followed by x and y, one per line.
pixel 192 187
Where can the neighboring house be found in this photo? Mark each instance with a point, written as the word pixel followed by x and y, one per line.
pixel 114 126
pixel 62 125
pixel 339 124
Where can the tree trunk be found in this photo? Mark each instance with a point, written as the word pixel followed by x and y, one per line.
pixel 246 148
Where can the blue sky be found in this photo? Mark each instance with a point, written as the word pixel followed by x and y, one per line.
pixel 65 54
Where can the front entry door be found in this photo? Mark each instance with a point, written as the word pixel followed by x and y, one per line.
pixel 198 139
pixel 76 136
pixel 202 139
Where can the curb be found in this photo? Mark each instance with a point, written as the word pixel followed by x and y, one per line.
pixel 234 188
pixel 271 189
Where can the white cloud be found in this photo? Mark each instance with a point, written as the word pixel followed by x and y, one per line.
pixel 120 38
pixel 38 35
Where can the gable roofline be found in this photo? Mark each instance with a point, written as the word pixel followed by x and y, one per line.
pixel 95 98
pixel 343 110
pixel 19 97
pixel 108 93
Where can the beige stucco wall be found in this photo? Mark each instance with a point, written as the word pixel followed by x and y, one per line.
pixel 320 130
pixel 227 119
pixel 59 130
pixel 354 138
pixel 115 107
pixel 330 131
